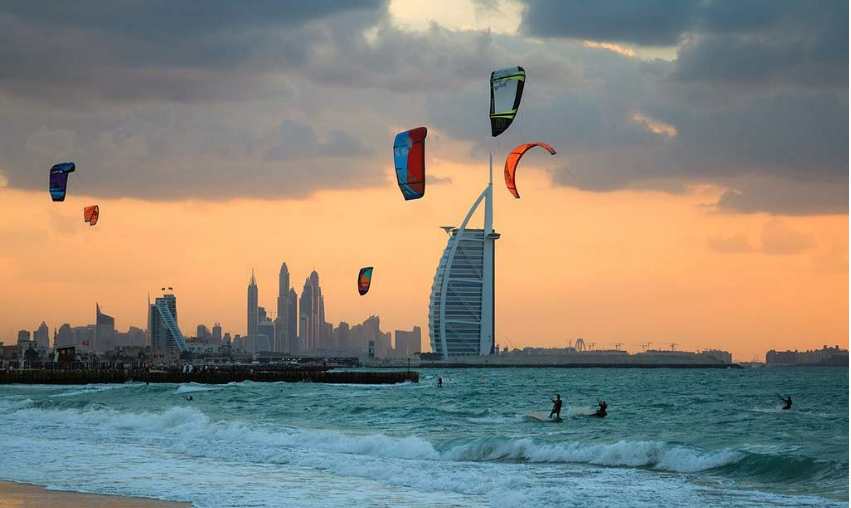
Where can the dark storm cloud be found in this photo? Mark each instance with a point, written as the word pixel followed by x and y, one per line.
pixel 179 51
pixel 649 22
pixel 748 41
pixel 299 140
pixel 759 89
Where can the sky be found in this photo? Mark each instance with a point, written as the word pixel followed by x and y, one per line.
pixel 699 196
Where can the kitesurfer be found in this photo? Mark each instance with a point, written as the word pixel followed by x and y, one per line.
pixel 787 401
pixel 440 382
pixel 189 398
pixel 602 411
pixel 556 407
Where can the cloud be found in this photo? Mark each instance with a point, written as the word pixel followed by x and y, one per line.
pixel 300 140
pixel 784 196
pixel 779 239
pixel 125 50
pixel 54 143
pixel 735 244
pixel 438 180
pixel 268 104
pixel 655 126
pixel 650 22
pixel 614 48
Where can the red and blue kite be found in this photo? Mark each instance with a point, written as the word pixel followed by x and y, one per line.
pixel 409 158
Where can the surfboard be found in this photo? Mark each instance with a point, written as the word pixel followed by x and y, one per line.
pixel 544 417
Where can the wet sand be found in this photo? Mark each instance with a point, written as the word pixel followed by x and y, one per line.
pixel 16 495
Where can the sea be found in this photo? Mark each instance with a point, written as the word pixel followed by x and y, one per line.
pixel 673 438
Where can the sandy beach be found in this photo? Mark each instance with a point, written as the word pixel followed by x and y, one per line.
pixel 31 496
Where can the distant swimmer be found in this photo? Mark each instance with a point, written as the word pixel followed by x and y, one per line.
pixel 556 407
pixel 787 401
pixel 602 411
pixel 440 382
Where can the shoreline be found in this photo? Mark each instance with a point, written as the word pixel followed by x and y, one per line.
pixel 26 495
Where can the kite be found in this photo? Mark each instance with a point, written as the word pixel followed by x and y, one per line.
pixel 409 158
pixel 91 214
pixel 59 179
pixel 514 158
pixel 506 91
pixel 364 280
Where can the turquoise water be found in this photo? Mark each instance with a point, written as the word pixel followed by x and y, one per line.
pixel 673 438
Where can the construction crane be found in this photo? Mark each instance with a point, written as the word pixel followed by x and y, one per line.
pixel 646 345
pixel 618 345
pixel 674 346
pixel 510 343
pixel 591 346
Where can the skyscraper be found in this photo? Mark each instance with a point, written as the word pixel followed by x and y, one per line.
pixel 312 315
pixel 282 318
pixel 65 337
pixel 265 336
pixel 461 307
pixel 251 326
pixel 42 335
pixel 104 330
pixel 323 338
pixel 306 328
pixel 408 343
pixel 23 336
pixel 283 289
pixel 292 322
pixel 162 326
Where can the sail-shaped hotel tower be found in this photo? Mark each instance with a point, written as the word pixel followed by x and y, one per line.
pixel 461 307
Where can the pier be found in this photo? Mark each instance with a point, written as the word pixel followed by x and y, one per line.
pixel 210 376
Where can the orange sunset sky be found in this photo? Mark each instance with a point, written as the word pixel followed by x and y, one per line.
pixel 656 222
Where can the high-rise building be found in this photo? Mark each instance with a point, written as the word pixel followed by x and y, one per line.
pixel 23 336
pixel 308 316
pixel 461 307
pixel 265 336
pixel 312 313
pixel 292 322
pixel 201 332
pixel 162 326
pixel 261 314
pixel 84 337
pixel 217 333
pixel 362 334
pixel 324 335
pixel 104 330
pixel 341 337
pixel 408 343
pixel 282 317
pixel 251 326
pixel 42 335
pixel 64 337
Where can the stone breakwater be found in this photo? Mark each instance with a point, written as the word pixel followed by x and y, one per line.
pixel 222 376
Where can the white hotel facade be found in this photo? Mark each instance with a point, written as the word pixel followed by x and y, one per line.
pixel 461 307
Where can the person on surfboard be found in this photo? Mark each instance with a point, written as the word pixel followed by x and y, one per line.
pixel 602 411
pixel 440 382
pixel 556 407
pixel 787 401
